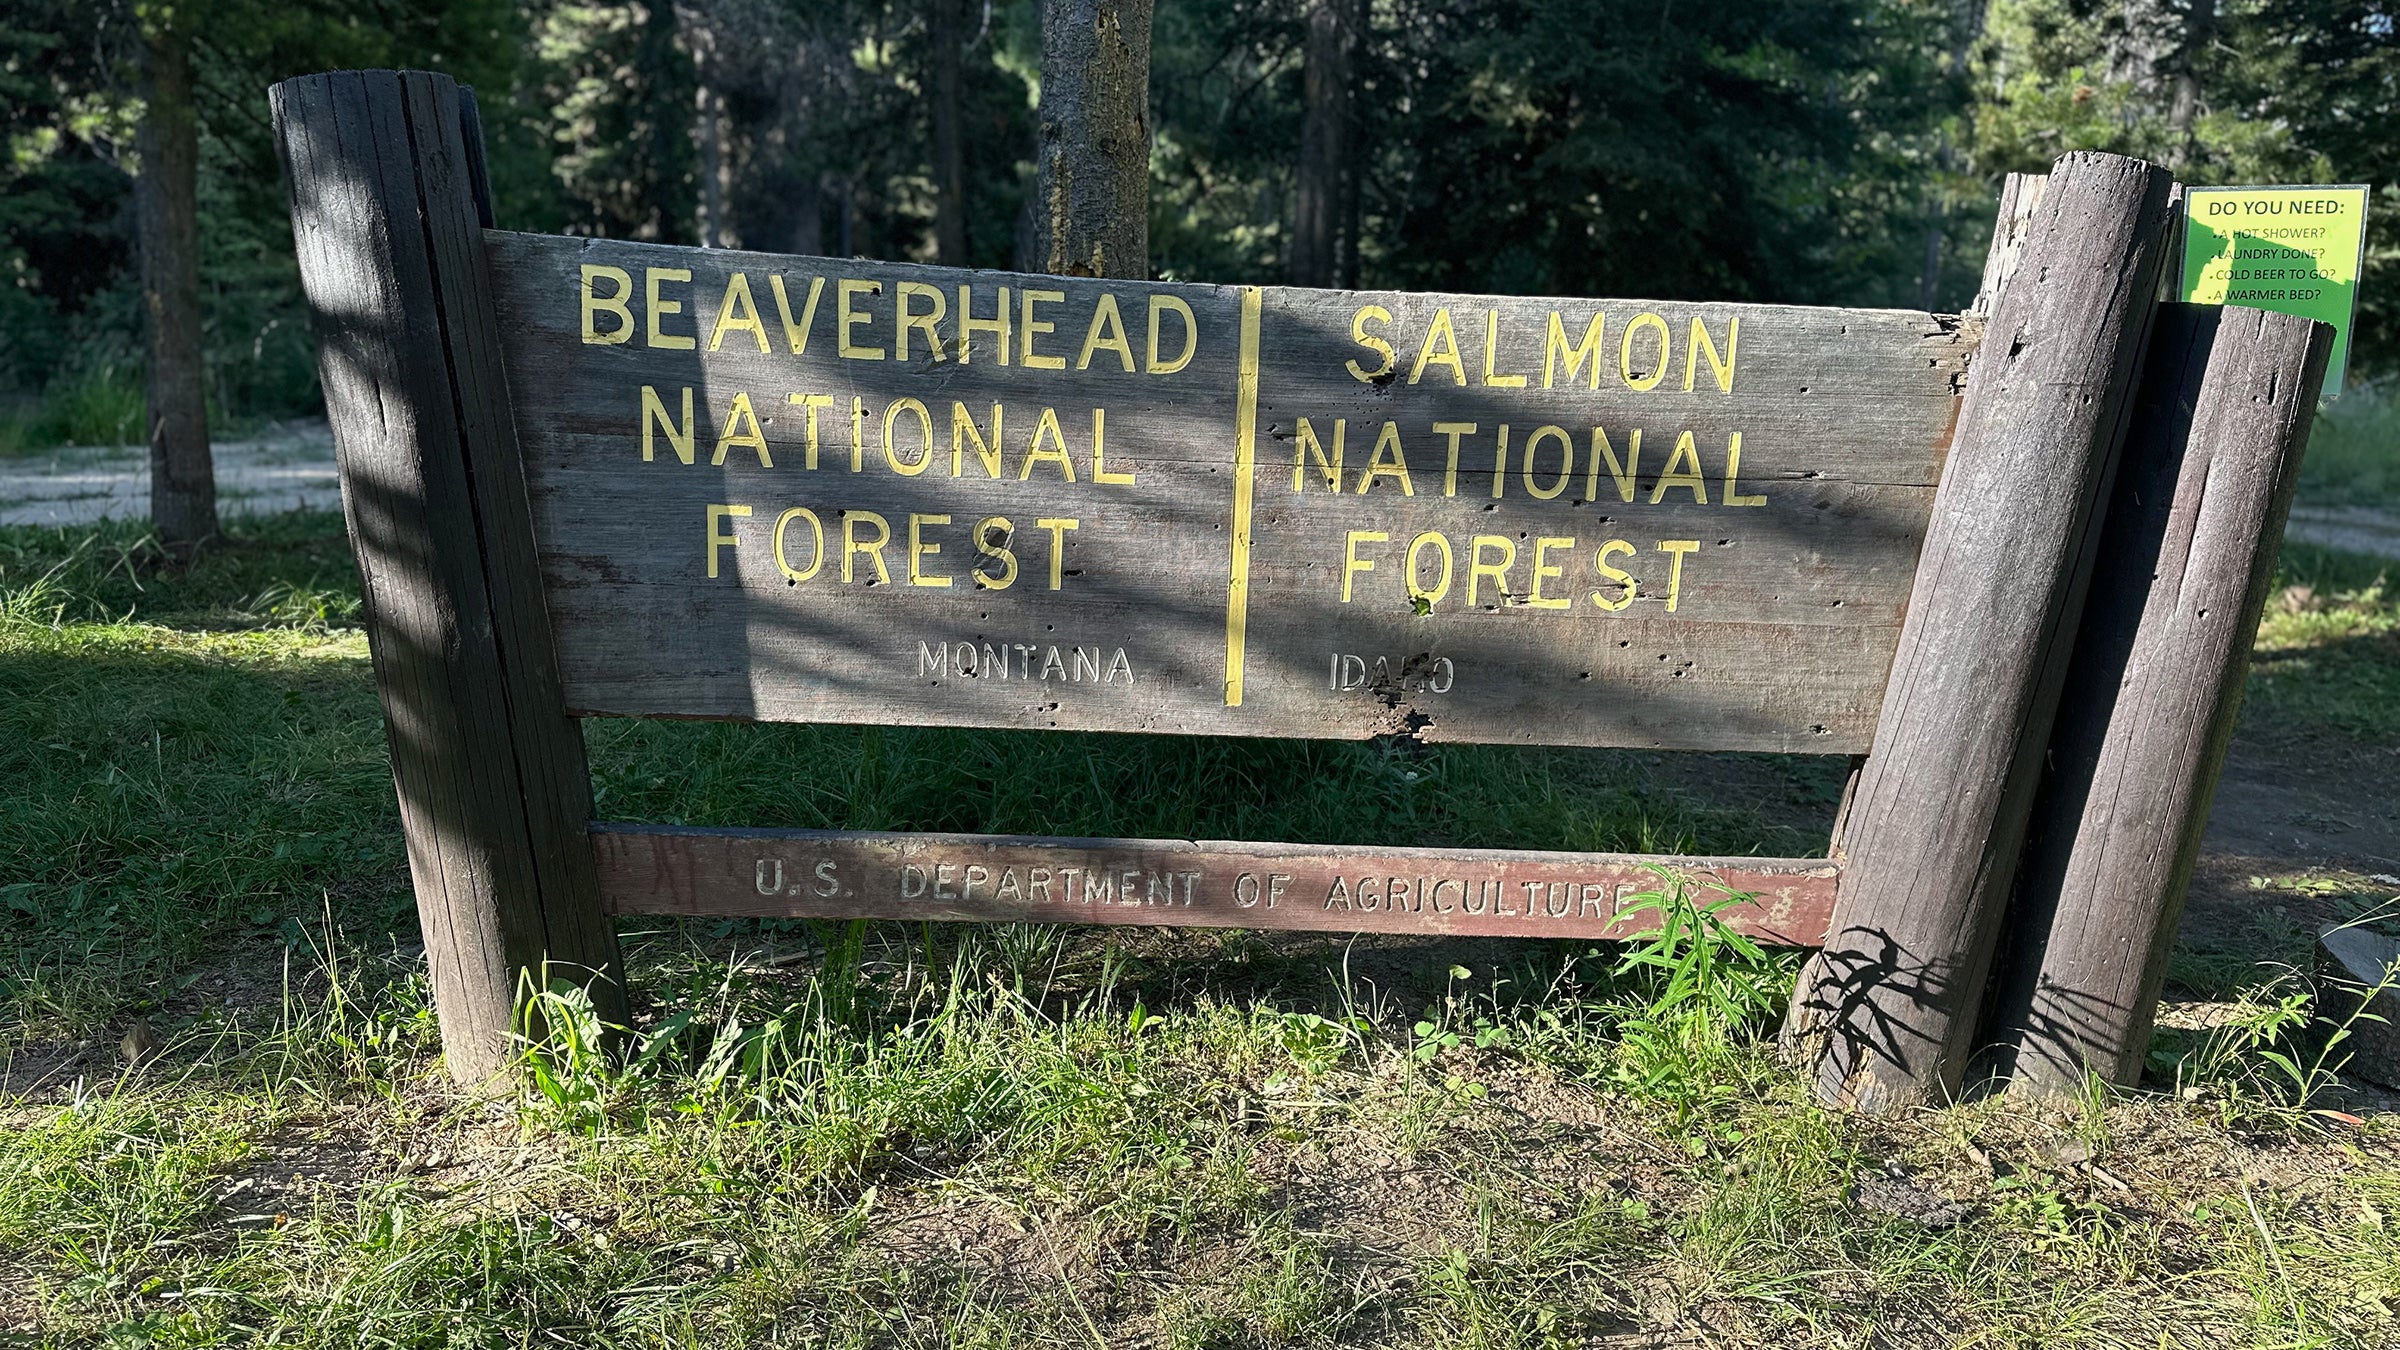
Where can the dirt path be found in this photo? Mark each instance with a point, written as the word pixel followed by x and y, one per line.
pixel 2355 529
pixel 287 468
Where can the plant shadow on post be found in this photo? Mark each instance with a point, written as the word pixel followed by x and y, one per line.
pixel 1941 806
pixel 2186 557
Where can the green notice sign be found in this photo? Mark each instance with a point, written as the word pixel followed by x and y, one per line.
pixel 2295 250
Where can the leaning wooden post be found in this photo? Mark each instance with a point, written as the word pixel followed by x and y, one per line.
pixel 494 794
pixel 1889 1006
pixel 2185 557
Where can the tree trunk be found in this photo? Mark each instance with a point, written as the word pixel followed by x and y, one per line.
pixel 708 133
pixel 1094 189
pixel 946 30
pixel 1324 144
pixel 2199 26
pixel 661 72
pixel 183 485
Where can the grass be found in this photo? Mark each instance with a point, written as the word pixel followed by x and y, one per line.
pixel 2354 452
pixel 884 1135
pixel 99 402
pixel 2328 653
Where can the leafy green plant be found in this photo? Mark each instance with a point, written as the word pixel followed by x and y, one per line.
pixel 2273 1049
pixel 1702 984
pixel 1441 1030
pixel 1317 1043
pixel 565 1055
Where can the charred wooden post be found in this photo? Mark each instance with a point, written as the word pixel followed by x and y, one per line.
pixel 2185 557
pixel 1940 811
pixel 494 793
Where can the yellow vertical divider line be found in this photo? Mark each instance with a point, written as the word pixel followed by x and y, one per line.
pixel 1245 464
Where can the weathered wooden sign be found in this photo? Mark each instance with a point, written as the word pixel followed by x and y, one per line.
pixel 810 489
pixel 600 478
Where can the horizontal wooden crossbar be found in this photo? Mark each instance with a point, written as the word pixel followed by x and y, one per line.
pixel 657 869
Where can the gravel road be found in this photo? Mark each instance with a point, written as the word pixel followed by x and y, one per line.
pixel 287 468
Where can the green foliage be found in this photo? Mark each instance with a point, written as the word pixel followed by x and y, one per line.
pixel 2237 91
pixel 1700 988
pixel 2282 1047
pixel 2354 451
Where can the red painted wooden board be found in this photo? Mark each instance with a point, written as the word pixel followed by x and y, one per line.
pixel 651 869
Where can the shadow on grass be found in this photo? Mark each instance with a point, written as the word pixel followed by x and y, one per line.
pixel 193 764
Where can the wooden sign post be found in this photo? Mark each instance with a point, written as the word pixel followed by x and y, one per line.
pixel 599 478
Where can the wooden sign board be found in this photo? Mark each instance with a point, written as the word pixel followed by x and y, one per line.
pixel 655 869
pixel 808 489
pixel 607 478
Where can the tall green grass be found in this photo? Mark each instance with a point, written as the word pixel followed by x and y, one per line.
pixel 94 403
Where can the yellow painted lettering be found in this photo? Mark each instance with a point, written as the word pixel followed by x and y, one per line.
pixel 1160 306
pixel 1360 335
pixel 1676 548
pixel 1566 461
pixel 928 323
pixel 1306 446
pixel 1035 454
pixel 919 550
pixel 1616 575
pixel 1100 473
pixel 719 538
pixel 738 312
pixel 1500 461
pixel 810 402
pixel 816 530
pixel 1106 333
pixel 963 430
pixel 1058 547
pixel 873 548
pixel 1387 461
pixel 741 428
pixel 1651 374
pixel 1352 564
pixel 796 334
pixel 1029 328
pixel 596 305
pixel 1624 473
pixel 1733 494
pixel 969 325
pixel 1453 430
pixel 1424 596
pixel 1675 476
pixel 1478 569
pixel 1700 342
pixel 654 420
pixel 992 534
pixel 858 435
pixel 660 308
pixel 1554 346
pixel 1491 354
pixel 848 318
pixel 1440 348
pixel 891 448
pixel 1541 568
